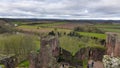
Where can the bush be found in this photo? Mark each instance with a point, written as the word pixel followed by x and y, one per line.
pixel 6 28
pixel 87 28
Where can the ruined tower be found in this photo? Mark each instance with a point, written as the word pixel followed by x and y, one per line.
pixel 113 44
pixel 47 57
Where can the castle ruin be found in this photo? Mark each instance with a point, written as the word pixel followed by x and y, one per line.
pixel 47 57
pixel 9 61
pixel 113 44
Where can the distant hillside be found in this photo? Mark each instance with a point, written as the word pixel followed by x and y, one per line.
pixel 59 20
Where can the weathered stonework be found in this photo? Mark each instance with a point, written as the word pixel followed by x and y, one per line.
pixel 47 57
pixel 9 61
pixel 90 53
pixel 113 44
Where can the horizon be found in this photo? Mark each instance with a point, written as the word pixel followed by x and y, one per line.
pixel 65 18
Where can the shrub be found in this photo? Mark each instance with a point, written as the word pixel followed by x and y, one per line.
pixel 6 28
pixel 87 28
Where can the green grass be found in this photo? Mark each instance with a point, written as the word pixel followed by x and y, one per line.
pixel 49 24
pixel 112 26
pixel 70 44
pixel 97 35
pixel 41 25
pixel 28 26
pixel 18 23
pixel 37 42
pixel 111 30
pixel 15 44
pixel 74 44
pixel 48 29
pixel 109 27
pixel 1 65
pixel 24 64
pixel 85 62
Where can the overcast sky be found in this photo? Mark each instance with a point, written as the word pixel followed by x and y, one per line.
pixel 60 9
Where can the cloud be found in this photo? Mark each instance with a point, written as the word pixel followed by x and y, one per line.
pixel 63 9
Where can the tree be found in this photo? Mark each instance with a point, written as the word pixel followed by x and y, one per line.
pixel 87 28
pixel 5 27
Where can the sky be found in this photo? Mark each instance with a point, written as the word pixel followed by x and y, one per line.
pixel 60 9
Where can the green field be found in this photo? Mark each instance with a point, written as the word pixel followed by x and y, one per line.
pixel 48 24
pixel 37 29
pixel 109 27
pixel 117 26
pixel 73 44
pixel 111 30
pixel 97 35
pixel 70 43
pixel 40 24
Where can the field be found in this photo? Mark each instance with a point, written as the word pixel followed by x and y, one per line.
pixel 68 40
pixel 65 27
pixel 97 35
pixel 61 27
pixel 47 27
pixel 68 27
pixel 109 27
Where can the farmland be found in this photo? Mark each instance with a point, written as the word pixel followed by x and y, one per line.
pixel 68 27
pixel 61 27
pixel 97 35
pixel 42 27
pixel 28 35
pixel 109 27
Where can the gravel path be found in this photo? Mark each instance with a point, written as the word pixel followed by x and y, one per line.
pixel 98 64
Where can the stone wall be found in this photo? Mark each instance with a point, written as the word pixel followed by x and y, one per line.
pixel 113 44
pixel 47 57
pixel 90 53
pixel 9 61
pixel 51 55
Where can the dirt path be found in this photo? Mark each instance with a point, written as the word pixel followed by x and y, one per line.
pixel 98 64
